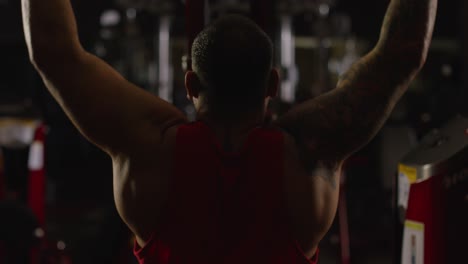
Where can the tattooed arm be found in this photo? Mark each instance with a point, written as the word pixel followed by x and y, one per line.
pixel 333 126
pixel 324 131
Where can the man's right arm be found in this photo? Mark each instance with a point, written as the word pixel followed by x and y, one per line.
pixel 334 125
pixel 329 128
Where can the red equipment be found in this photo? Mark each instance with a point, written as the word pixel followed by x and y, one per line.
pixel 433 188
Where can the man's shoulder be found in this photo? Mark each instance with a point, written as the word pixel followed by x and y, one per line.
pixel 169 134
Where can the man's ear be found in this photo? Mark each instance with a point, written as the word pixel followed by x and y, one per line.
pixel 273 83
pixel 192 85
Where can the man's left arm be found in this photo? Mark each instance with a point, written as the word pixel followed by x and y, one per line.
pixel 107 109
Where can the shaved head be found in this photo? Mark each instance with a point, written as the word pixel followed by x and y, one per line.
pixel 232 58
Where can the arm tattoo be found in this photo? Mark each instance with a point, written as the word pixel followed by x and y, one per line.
pixel 332 126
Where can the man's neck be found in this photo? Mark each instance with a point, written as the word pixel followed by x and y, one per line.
pixel 232 133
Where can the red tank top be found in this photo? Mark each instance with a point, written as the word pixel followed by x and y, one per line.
pixel 225 208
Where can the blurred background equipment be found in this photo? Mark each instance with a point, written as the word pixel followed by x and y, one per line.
pixel 432 191
pixel 316 41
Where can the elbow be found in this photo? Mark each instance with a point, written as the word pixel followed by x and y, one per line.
pixel 42 57
pixel 39 49
pixel 413 58
pixel 410 56
pixel 418 55
pixel 38 58
pixel 45 56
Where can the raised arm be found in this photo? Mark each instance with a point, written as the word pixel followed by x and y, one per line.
pixel 332 126
pixel 111 112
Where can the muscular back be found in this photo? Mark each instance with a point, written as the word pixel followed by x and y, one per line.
pixel 311 199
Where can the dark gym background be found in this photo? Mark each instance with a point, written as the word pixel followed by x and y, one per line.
pixel 80 208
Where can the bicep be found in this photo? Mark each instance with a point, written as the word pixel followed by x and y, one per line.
pixel 105 107
pixel 334 125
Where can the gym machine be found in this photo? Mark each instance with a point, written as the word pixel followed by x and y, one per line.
pixel 23 237
pixel 157 73
pixel 433 196
pixel 18 221
pixel 151 65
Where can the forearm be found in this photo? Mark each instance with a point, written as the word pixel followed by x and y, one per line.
pixel 407 30
pixel 50 29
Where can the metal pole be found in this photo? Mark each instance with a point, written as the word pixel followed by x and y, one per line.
pixel 165 71
pixel 288 60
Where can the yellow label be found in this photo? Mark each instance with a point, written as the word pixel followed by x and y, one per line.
pixel 414 225
pixel 4 122
pixel 409 172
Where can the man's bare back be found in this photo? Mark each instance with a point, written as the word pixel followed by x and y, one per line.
pixel 301 192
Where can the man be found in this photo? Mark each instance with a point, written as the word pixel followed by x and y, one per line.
pixel 226 189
